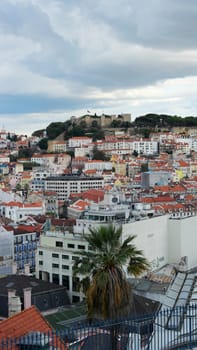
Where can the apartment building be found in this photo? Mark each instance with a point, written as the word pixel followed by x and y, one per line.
pixel 17 211
pixel 116 146
pixel 38 177
pixel 99 165
pixel 79 141
pixel 64 186
pixel 146 147
pixel 57 146
pixel 55 258
pixel 25 244
pixel 43 159
pixel 155 178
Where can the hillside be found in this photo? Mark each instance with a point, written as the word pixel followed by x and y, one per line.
pixel 96 126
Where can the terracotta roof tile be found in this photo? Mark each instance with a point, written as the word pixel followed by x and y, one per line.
pixel 22 323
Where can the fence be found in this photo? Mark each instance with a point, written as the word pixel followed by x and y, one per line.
pixel 167 329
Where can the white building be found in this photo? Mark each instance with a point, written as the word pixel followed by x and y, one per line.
pixel 38 177
pixel 43 159
pixel 55 257
pixel 189 141
pixel 8 196
pixel 17 211
pixel 65 185
pixel 79 141
pixel 83 151
pixel 4 158
pixel 119 146
pixel 99 165
pixel 163 240
pixel 146 147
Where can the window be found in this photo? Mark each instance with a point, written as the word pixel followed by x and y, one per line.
pixel 70 245
pixel 81 246
pixel 65 282
pixel 55 278
pixel 65 267
pixel 65 256
pixel 75 299
pixel 56 266
pixel 40 252
pixel 40 262
pixel 59 244
pixel 54 255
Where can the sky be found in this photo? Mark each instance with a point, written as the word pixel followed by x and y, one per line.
pixel 60 58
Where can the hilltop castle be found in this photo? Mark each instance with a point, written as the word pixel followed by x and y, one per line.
pixel 103 121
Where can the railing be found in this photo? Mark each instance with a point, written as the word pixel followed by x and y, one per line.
pixel 143 333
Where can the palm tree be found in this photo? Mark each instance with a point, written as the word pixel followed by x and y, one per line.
pixel 107 290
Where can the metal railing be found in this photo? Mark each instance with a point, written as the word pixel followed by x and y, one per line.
pixel 150 332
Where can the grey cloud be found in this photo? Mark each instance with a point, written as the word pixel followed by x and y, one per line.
pixel 154 23
pixel 95 44
pixel 29 21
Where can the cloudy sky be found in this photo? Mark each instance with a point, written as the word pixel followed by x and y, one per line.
pixel 64 57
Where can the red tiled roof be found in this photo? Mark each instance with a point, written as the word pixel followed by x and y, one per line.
pixel 90 171
pixel 161 199
pixel 29 320
pixel 22 323
pixel 23 205
pixel 172 189
pixel 182 163
pixel 79 205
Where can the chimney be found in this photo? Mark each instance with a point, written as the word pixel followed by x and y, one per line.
pixel 27 269
pixel 14 303
pixel 27 297
pixel 14 268
pixel 11 293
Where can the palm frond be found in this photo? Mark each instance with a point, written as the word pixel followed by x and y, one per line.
pixel 107 290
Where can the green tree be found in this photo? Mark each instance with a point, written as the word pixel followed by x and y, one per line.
pixel 55 129
pixel 97 154
pixel 107 290
pixel 43 143
pixel 135 153
pixel 144 167
pixel 18 187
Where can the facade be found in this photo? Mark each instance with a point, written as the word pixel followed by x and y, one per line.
pixel 17 211
pixel 99 165
pixel 57 146
pixel 43 159
pixel 79 141
pixel 6 251
pixel 155 178
pixel 51 203
pixel 64 186
pixel 38 176
pixel 146 147
pixel 54 259
pixel 25 245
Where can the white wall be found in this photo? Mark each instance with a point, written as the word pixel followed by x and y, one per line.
pixel 183 240
pixel 151 238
